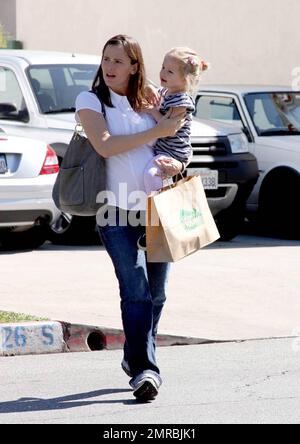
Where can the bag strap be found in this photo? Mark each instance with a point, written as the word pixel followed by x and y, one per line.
pixel 78 127
pixel 102 106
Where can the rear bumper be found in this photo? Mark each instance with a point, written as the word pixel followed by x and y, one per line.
pixel 24 201
pixel 26 217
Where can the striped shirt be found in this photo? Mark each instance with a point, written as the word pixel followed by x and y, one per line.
pixel 179 146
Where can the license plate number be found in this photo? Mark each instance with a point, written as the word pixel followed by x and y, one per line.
pixel 3 164
pixel 210 178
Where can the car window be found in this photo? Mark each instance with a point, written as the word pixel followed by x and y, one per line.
pixel 12 103
pixel 260 116
pixel 57 86
pixel 219 108
pixel 44 78
pixel 79 75
pixel 274 113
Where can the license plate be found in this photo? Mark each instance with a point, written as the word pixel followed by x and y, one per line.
pixel 3 164
pixel 210 178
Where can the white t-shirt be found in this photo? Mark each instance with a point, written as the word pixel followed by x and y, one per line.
pixel 125 172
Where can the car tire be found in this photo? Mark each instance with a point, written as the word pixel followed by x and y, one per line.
pixel 278 213
pixel 73 230
pixel 30 239
pixel 230 223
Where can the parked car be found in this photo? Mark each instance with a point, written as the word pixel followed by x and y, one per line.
pixel 28 169
pixel 229 172
pixel 38 97
pixel 270 118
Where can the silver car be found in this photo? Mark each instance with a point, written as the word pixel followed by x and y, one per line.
pixel 28 169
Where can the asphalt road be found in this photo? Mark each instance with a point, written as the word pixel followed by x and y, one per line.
pixel 244 289
pixel 255 382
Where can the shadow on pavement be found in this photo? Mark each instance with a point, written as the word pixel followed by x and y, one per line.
pixel 247 241
pixel 241 241
pixel 64 402
pixel 252 237
pixel 249 237
pixel 52 247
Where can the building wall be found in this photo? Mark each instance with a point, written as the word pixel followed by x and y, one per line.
pixel 246 41
pixel 8 16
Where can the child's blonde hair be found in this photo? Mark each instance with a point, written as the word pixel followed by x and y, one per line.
pixel 191 66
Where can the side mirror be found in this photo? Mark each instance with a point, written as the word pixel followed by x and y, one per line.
pixel 8 111
pixel 247 133
pixel 7 108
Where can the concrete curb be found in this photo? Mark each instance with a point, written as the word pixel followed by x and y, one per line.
pixel 27 338
pixel 46 337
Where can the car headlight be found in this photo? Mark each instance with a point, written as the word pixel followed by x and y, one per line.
pixel 239 143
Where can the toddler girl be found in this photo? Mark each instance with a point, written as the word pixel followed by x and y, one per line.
pixel 179 76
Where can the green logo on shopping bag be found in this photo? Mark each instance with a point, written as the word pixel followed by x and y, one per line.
pixel 191 219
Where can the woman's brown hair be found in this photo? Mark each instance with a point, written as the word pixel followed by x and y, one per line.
pixel 136 88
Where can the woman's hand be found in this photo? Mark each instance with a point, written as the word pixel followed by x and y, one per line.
pixel 147 109
pixel 152 95
pixel 169 126
pixel 169 167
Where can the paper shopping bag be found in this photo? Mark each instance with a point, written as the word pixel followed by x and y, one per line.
pixel 179 221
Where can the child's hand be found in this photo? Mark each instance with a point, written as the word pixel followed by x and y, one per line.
pixel 169 167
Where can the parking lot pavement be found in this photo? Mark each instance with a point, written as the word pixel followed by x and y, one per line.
pixel 247 288
pixel 255 382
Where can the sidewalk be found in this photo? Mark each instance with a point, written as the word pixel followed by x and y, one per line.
pixel 255 382
pixel 245 289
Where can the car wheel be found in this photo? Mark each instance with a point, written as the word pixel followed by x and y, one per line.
pixel 23 240
pixel 73 230
pixel 229 224
pixel 278 213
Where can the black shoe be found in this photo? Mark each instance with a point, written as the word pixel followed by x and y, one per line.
pixel 146 386
pixel 147 392
pixel 141 243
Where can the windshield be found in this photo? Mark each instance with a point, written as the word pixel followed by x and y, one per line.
pixel 57 86
pixel 275 114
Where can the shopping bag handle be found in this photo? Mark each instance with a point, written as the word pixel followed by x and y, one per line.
pixel 174 184
pixel 180 174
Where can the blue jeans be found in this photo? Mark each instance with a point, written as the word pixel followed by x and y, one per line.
pixel 142 290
